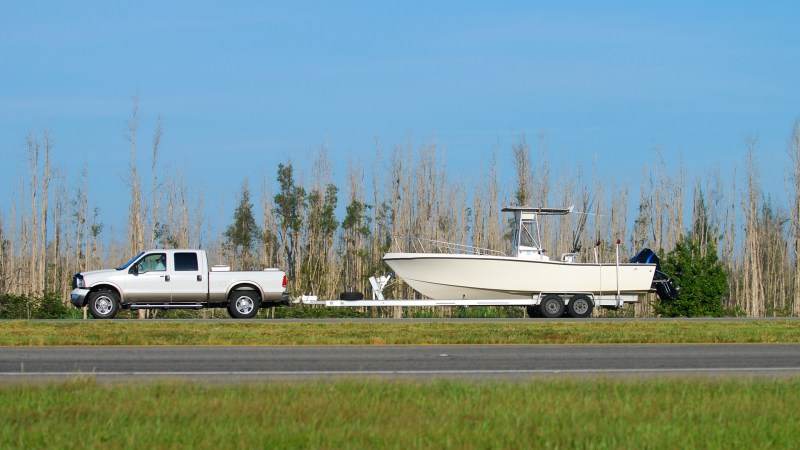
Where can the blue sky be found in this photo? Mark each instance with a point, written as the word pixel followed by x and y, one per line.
pixel 243 86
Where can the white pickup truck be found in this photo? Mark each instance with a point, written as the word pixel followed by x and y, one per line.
pixel 177 279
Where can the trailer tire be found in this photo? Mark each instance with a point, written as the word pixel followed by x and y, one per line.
pixel 103 304
pixel 580 306
pixel 552 306
pixel 351 296
pixel 243 304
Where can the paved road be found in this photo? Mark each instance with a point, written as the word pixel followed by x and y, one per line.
pixel 474 362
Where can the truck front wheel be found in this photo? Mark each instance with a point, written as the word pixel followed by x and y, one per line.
pixel 243 304
pixel 103 304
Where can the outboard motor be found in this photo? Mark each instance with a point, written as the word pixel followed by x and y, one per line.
pixel 664 285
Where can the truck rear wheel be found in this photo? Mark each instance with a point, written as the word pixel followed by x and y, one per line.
pixel 103 304
pixel 243 304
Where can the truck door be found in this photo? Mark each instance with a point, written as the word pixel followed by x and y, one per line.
pixel 189 284
pixel 148 280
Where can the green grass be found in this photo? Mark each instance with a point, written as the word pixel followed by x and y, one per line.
pixel 662 412
pixel 144 332
pixel 569 413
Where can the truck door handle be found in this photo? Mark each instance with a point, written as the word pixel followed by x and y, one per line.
pixel 199 278
pixel 165 277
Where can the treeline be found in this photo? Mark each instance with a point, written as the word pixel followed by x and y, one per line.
pixel 330 234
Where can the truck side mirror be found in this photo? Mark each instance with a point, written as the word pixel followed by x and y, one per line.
pixel 134 269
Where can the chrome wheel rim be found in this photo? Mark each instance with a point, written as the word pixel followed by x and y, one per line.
pixel 104 305
pixel 244 305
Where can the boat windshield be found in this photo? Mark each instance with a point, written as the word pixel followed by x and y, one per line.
pixel 130 261
pixel 528 234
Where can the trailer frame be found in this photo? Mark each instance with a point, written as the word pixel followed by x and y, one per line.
pixel 613 301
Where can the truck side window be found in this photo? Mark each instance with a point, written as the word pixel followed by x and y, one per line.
pixel 186 262
pixel 154 262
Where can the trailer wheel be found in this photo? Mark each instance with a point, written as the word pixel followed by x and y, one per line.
pixel 580 306
pixel 552 306
pixel 243 304
pixel 103 304
pixel 533 311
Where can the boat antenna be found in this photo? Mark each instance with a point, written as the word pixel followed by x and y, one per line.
pixel 588 202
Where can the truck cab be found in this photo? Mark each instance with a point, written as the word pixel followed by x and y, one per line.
pixel 176 276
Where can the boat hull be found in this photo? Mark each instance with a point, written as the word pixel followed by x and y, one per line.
pixel 482 277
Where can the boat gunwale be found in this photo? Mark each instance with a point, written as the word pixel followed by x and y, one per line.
pixel 411 255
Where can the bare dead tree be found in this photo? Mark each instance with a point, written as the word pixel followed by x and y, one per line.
pixel 734 255
pixel 320 228
pixel 271 251
pixel 56 256
pixel 793 193
pixel 41 254
pixel 135 225
pixel 135 234
pixel 522 164
pixel 13 264
pixel 31 231
pixel 155 191
pixel 199 219
pixel 183 227
pixel 494 219
pixel 4 256
pixel 541 179
pixel 753 287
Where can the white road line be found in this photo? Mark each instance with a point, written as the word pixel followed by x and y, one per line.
pixel 409 372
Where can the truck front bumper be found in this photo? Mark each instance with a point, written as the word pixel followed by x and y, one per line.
pixel 78 297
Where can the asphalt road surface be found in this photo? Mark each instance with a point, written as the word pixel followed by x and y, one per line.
pixel 507 362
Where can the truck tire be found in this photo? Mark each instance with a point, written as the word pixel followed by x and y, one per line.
pixel 103 304
pixel 552 306
pixel 243 304
pixel 580 306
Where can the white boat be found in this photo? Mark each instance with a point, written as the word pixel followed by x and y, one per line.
pixel 446 271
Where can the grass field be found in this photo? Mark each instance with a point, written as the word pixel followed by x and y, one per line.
pixel 661 412
pixel 571 413
pixel 144 332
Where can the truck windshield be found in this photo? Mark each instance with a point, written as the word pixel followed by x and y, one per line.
pixel 130 261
